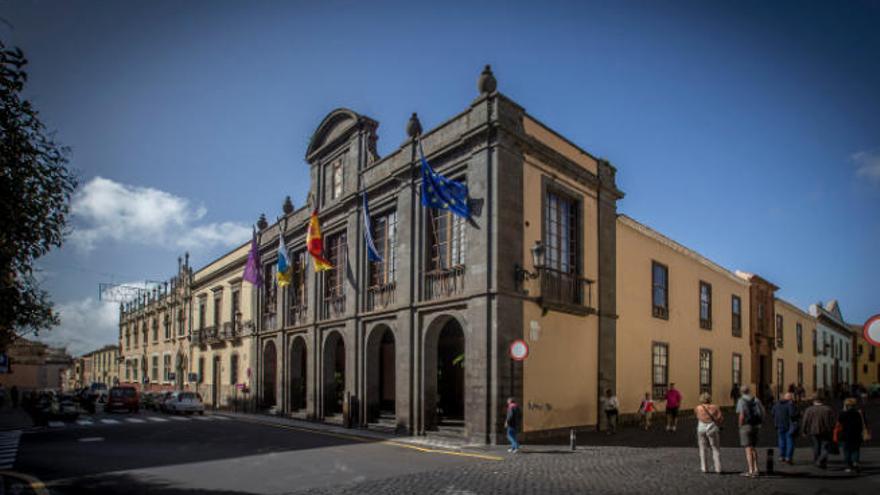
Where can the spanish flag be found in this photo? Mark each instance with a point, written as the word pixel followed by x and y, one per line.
pixel 315 244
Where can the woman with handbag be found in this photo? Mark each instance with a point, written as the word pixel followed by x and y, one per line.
pixel 850 431
pixel 709 421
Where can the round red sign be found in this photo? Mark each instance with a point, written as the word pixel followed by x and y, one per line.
pixel 872 330
pixel 519 350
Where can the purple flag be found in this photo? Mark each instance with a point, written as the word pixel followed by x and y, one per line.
pixel 252 267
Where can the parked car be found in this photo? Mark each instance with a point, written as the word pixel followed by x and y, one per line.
pixel 184 403
pixel 123 398
pixel 67 407
pixel 161 399
pixel 150 400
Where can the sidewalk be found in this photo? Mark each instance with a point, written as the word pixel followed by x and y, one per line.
pixel 14 419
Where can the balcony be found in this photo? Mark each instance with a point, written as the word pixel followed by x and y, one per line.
pixel 333 306
pixel 380 296
pixel 444 282
pixel 269 322
pixel 566 292
pixel 297 315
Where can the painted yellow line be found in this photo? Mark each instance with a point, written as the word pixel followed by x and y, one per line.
pixel 38 487
pixel 371 440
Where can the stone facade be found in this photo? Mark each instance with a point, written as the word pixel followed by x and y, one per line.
pixel 100 366
pixel 835 357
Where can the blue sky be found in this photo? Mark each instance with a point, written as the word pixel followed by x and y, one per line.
pixel 748 131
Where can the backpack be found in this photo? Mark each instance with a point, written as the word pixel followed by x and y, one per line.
pixel 752 413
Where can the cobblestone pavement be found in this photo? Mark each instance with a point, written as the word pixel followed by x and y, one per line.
pixel 612 470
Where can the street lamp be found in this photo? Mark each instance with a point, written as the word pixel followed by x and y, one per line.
pixel 537 251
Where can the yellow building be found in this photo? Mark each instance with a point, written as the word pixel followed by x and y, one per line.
pixel 867 366
pixel 153 334
pixel 101 366
pixel 683 319
pixel 795 348
pixel 222 331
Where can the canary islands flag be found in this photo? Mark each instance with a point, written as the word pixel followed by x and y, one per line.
pixel 315 244
pixel 284 271
pixel 443 193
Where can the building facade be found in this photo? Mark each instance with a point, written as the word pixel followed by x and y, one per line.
pixel 418 342
pixel 834 361
pixel 867 366
pixel 762 298
pixel 683 319
pixel 154 334
pixel 223 342
pixel 796 347
pixel 100 366
pixel 34 365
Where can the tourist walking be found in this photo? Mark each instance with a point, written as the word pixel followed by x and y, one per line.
pixel 750 414
pixel 612 409
pixel 786 419
pixel 818 423
pixel 646 409
pixel 673 401
pixel 851 431
pixel 709 421
pixel 512 423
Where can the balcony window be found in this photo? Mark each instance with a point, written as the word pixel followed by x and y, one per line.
pixel 705 371
pixel 659 290
pixel 705 306
pixel 561 280
pixel 736 315
pixel 660 370
pixel 799 337
pixel 334 278
pixel 779 333
pixel 297 301
pixel 383 274
pixel 448 241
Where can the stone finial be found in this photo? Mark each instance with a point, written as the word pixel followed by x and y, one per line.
pixel 262 224
pixel 414 127
pixel 186 258
pixel 287 207
pixel 487 82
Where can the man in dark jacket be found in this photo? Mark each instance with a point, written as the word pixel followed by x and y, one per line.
pixel 512 422
pixel 785 418
pixel 818 424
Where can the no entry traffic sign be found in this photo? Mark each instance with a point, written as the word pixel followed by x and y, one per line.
pixel 872 330
pixel 519 350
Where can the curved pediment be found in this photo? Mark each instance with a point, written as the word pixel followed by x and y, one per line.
pixel 335 125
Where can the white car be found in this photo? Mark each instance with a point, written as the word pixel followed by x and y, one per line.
pixel 184 403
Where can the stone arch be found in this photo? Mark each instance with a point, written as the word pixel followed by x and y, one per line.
pixel 334 370
pixel 298 380
pixel 444 349
pixel 270 367
pixel 381 360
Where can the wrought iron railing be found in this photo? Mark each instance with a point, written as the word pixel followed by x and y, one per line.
pixel 333 306
pixel 444 282
pixel 380 296
pixel 296 315
pixel 269 321
pixel 565 288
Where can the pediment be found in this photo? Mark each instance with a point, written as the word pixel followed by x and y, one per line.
pixel 335 126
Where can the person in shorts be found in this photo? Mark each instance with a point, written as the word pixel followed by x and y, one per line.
pixel 673 402
pixel 751 414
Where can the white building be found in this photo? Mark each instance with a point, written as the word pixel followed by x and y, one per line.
pixel 834 360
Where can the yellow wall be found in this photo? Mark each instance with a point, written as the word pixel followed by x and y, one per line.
pixel 791 316
pixel 637 329
pixel 542 133
pixel 560 374
pixel 871 374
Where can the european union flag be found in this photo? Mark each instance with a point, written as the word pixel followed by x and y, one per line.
pixel 443 193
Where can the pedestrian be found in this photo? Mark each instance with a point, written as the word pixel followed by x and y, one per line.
pixel 512 423
pixel 709 421
pixel 734 393
pixel 673 401
pixel 750 416
pixel 13 394
pixel 852 430
pixel 818 423
pixel 786 419
pixel 611 408
pixel 646 409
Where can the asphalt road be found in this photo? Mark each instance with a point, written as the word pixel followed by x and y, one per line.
pixel 207 455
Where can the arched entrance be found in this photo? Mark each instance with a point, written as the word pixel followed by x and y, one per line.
pixel 381 377
pixel 444 374
pixel 298 375
pixel 334 374
pixel 270 365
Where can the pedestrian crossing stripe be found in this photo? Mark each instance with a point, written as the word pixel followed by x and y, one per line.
pixel 85 422
pixel 135 420
pixel 221 418
pixel 9 448
pixel 56 424
pixel 203 418
pixel 178 418
pixel 157 419
pixel 110 421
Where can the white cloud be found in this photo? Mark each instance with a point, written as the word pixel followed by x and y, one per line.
pixel 107 210
pixel 868 163
pixel 86 325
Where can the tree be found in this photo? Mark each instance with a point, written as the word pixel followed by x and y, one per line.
pixel 35 191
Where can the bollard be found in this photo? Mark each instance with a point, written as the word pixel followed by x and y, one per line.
pixel 769 461
pixel 572 438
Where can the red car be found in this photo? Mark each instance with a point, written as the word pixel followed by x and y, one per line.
pixel 123 398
